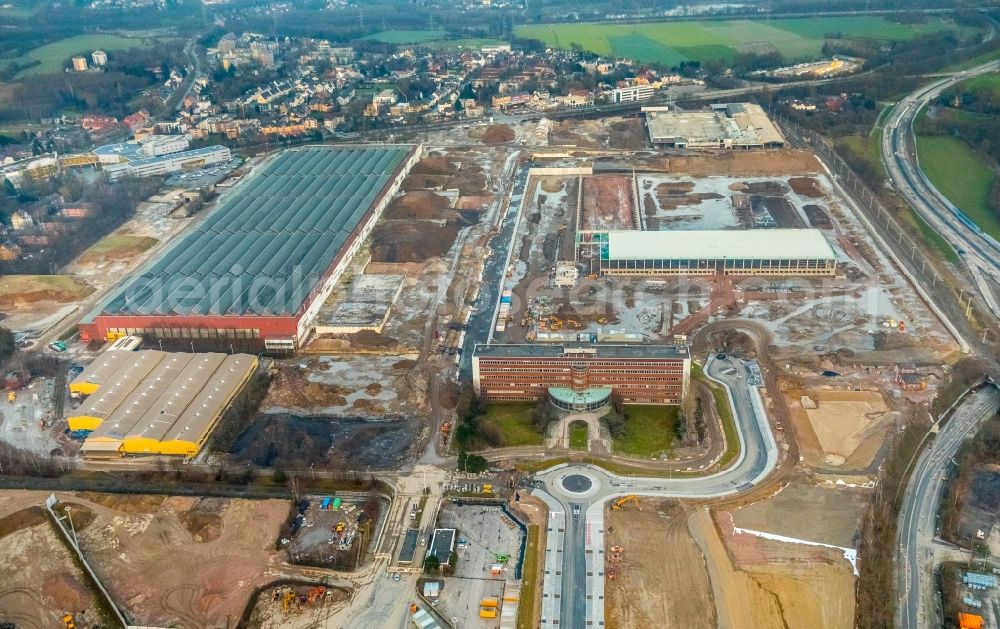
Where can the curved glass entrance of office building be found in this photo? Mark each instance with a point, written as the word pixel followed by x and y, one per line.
pixel 588 399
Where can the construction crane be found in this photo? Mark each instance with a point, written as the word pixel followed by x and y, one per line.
pixel 621 502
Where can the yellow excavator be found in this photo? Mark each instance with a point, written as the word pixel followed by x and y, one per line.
pixel 617 505
pixel 286 601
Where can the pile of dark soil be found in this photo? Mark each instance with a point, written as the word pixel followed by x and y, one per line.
pixel 292 441
pixel 493 134
pixel 806 186
pixel 399 241
pixel 433 165
pixel 418 204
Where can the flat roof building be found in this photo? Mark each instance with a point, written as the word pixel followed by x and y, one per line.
pixel 442 545
pixel 255 272
pixel 582 377
pixel 161 403
pixel 727 126
pixel 717 252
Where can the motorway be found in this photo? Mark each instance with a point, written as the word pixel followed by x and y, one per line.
pixel 980 252
pixel 918 516
pixel 580 588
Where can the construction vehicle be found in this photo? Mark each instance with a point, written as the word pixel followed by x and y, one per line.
pixel 12 396
pixel 487 489
pixel 621 502
pixel 602 320
pixel 339 528
pixel 286 601
pixel 69 621
pixel 487 612
pixel 315 594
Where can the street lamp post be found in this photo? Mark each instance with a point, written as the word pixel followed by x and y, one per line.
pixel 72 529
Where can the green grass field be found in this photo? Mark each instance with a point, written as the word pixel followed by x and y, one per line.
pixel 704 40
pixel 578 435
pixel 961 175
pixel 52 57
pixel 514 421
pixel 649 430
pixel 985 86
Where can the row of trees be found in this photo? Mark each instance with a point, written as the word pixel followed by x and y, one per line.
pixel 115 203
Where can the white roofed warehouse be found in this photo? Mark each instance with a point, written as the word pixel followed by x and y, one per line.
pixel 717 252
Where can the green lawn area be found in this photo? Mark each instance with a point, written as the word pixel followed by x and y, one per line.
pixel 867 145
pixel 961 175
pixel 649 430
pixel 704 40
pixel 514 421
pixel 578 435
pixel 529 579
pixel 51 57
pixel 406 37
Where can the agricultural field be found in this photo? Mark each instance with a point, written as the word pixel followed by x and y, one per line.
pixel 51 57
pixel 669 43
pixel 962 176
pixel 406 37
pixel 436 39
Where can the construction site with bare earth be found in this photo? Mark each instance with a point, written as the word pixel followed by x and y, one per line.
pixel 344 409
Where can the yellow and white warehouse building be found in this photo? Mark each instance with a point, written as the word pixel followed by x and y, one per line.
pixel 160 403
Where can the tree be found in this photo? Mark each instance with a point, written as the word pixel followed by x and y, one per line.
pixel 542 416
pixel 431 564
pixel 614 422
pixel 6 344
pixel 472 463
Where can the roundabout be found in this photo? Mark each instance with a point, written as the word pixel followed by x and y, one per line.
pixel 577 483
pixel 577 492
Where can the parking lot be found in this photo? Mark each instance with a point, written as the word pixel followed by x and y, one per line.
pixel 489 536
pixel 207 176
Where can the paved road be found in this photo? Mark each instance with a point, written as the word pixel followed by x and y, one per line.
pixel 980 252
pixel 758 457
pixel 918 517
